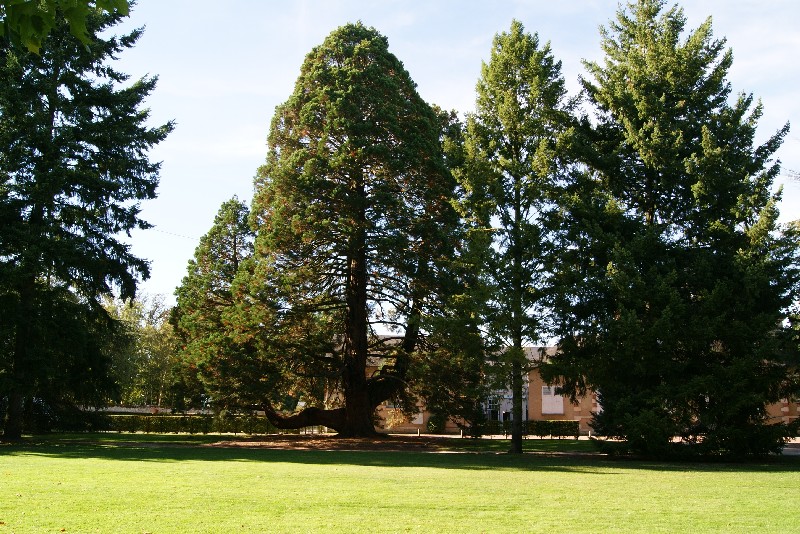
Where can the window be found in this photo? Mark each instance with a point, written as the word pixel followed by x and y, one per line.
pixel 493 407
pixel 551 403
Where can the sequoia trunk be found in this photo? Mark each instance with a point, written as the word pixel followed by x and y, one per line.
pixel 357 407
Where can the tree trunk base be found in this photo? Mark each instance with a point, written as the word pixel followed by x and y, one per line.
pixel 12 427
pixel 336 419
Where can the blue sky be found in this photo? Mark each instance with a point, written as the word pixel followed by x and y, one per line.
pixel 224 66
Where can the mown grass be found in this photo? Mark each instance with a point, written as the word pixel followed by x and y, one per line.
pixel 498 445
pixel 157 485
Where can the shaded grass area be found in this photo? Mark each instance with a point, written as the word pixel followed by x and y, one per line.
pixel 119 484
pixel 110 438
pixel 429 442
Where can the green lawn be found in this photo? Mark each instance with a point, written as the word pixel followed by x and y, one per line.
pixel 133 483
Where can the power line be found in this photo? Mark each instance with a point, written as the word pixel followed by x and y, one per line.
pixel 174 234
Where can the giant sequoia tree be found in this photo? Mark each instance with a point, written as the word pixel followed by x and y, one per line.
pixel 676 279
pixel 73 169
pixel 515 143
pixel 354 234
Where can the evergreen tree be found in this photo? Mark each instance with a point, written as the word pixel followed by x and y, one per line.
pixel 678 278
pixel 73 169
pixel 516 146
pixel 454 376
pixel 210 352
pixel 355 232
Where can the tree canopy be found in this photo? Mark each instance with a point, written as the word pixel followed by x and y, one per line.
pixel 394 246
pixel 73 170
pixel 354 233
pixel 213 361
pixel 677 282
pixel 516 151
pixel 395 254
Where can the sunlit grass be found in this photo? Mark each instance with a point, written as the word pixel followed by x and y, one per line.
pixel 160 485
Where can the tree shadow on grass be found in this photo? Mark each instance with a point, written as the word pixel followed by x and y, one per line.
pixel 206 450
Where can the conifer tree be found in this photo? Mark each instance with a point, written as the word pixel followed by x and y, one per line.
pixel 73 169
pixel 209 350
pixel 678 280
pixel 355 232
pixel 516 146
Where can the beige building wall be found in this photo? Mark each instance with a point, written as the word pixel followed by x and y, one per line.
pixel 784 411
pixel 545 405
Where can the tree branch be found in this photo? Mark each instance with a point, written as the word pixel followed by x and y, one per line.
pixel 309 417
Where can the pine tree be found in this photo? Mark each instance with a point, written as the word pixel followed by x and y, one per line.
pixel 679 278
pixel 73 169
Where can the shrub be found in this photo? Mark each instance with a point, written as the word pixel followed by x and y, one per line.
pixel 556 429
pixel 436 423
pixel 225 422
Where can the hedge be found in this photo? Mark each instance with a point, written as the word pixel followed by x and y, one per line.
pixel 554 428
pixel 191 424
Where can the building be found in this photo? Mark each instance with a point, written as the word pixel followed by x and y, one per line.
pixel 541 403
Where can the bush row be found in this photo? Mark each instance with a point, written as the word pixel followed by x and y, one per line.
pixel 555 429
pixel 191 424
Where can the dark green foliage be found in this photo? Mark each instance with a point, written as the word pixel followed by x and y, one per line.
pixel 68 361
pixel 436 423
pixel 355 234
pixel 453 374
pixel 451 377
pixel 240 423
pixel 675 281
pixel 213 360
pixel 73 169
pixel 40 416
pixel 540 428
pixel 553 428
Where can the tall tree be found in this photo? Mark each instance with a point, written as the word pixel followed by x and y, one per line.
pixel 515 140
pixel 679 278
pixel 354 232
pixel 73 169
pixel 209 350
